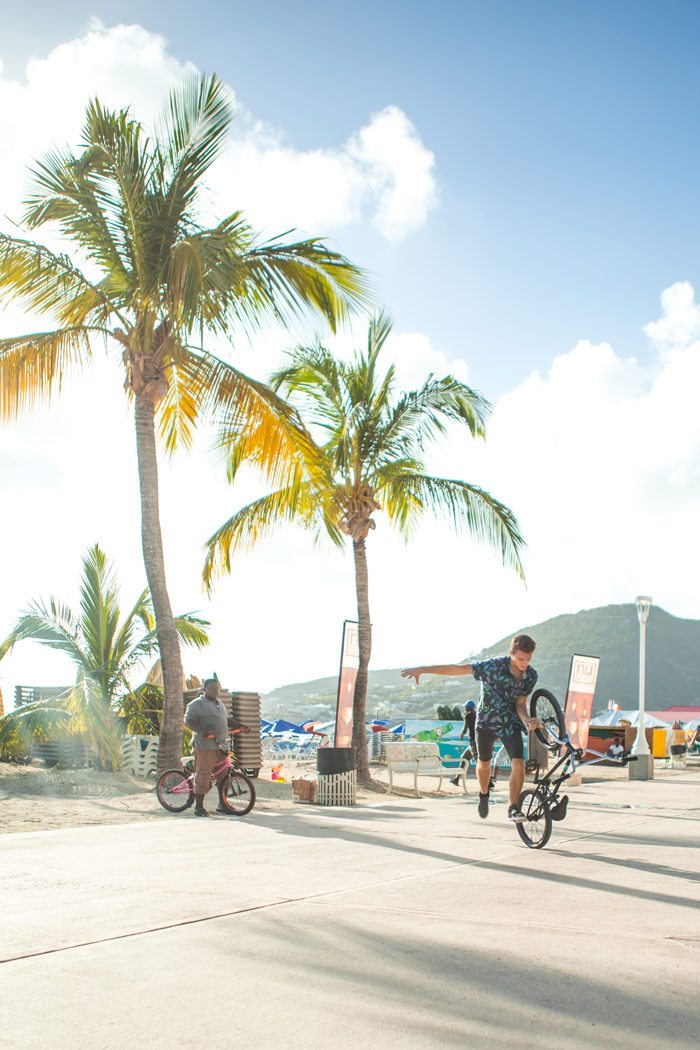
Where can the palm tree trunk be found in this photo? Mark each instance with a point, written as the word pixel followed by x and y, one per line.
pixel 359 730
pixel 170 749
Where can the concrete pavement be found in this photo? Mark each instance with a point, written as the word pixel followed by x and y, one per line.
pixel 401 923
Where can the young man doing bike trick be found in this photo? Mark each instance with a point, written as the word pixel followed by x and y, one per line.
pixel 506 681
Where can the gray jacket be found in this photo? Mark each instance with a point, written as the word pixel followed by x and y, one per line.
pixel 208 716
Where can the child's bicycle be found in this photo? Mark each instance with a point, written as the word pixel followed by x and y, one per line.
pixel 543 803
pixel 175 788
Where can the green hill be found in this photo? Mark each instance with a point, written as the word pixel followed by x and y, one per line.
pixel 610 632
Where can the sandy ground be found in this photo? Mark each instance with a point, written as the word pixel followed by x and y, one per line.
pixel 35 798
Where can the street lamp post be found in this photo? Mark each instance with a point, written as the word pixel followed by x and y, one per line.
pixel 643 768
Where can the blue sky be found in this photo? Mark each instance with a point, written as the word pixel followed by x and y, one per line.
pixel 563 133
pixel 522 181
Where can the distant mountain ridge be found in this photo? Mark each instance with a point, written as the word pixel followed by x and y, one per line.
pixel 610 632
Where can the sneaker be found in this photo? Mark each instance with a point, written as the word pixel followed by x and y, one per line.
pixel 515 813
pixel 492 784
pixel 222 809
pixel 201 812
pixel 455 781
pixel 483 806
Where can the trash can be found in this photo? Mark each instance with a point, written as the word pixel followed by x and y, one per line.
pixel 658 749
pixel 337 776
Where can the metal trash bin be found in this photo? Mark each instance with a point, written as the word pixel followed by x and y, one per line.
pixel 337 776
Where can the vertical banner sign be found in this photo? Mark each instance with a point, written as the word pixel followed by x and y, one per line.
pixel 349 664
pixel 579 697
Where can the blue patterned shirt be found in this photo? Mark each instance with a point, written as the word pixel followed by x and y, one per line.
pixel 500 690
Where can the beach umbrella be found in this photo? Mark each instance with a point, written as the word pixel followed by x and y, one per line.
pixel 281 725
pixel 400 728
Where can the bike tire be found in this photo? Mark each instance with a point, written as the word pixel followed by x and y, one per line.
pixel 537 826
pixel 237 793
pixel 545 707
pixel 165 785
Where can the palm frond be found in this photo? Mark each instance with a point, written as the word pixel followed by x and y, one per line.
pixel 191 133
pixel 50 283
pixel 54 625
pixel 295 503
pixel 191 630
pixel 100 612
pixel 287 279
pixel 32 366
pixel 67 191
pixel 33 723
pixel 406 496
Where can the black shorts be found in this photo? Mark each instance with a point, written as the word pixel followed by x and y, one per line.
pixel 678 749
pixel 485 741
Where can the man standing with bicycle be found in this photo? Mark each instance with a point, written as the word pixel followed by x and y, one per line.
pixel 208 719
pixel 506 682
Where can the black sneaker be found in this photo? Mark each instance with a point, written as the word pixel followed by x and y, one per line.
pixel 515 813
pixel 455 781
pixel 492 784
pixel 483 805
pixel 222 809
pixel 201 812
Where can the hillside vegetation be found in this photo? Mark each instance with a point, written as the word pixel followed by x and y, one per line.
pixel 610 632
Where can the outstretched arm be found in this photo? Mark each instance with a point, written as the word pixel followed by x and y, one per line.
pixel 446 669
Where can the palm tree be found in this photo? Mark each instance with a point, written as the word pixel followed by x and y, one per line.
pixel 106 645
pixel 373 446
pixel 156 284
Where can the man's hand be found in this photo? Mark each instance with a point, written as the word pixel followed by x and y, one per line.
pixel 413 672
pixel 533 723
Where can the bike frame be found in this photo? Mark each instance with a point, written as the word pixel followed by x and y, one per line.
pixel 221 767
pixel 568 761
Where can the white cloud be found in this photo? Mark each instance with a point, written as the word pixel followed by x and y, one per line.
pixel 679 326
pixel 383 175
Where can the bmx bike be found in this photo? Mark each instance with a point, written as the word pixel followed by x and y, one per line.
pixel 543 803
pixel 175 788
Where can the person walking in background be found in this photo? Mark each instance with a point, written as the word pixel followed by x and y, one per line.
pixel 502 714
pixel 469 728
pixel 677 745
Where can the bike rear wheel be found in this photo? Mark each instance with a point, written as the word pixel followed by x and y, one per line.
pixel 237 793
pixel 545 707
pixel 537 826
pixel 174 791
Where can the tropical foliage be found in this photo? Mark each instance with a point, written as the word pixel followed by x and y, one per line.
pixel 108 646
pixel 154 281
pixel 373 442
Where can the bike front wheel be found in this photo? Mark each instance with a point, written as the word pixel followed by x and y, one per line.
pixel 537 826
pixel 544 706
pixel 174 791
pixel 237 793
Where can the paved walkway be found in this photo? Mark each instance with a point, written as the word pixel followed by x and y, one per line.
pixel 404 923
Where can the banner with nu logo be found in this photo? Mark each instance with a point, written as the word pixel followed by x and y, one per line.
pixel 579 697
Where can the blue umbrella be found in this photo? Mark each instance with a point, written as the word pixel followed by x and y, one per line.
pixel 401 728
pixel 281 725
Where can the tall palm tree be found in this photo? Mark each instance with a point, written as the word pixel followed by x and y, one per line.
pixel 105 643
pixel 373 446
pixel 156 284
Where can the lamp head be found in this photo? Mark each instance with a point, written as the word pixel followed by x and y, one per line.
pixel 643 603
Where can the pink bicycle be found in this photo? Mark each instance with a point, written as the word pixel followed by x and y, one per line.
pixel 175 788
